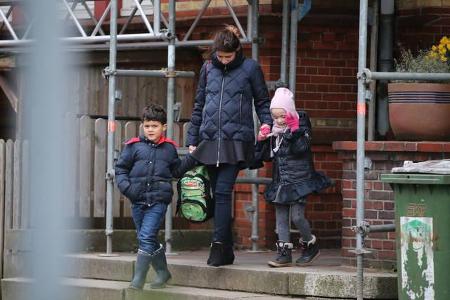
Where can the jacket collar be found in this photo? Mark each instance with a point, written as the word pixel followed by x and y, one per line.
pixel 237 61
pixel 162 139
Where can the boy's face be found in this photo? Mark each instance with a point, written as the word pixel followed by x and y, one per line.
pixel 279 116
pixel 153 130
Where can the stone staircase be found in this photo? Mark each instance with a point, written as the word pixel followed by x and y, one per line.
pixel 94 277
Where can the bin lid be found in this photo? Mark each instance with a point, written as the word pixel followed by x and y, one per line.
pixel 425 167
pixel 414 178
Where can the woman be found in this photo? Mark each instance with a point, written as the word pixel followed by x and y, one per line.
pixel 221 130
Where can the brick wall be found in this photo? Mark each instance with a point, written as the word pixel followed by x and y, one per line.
pixel 379 205
pixel 421 27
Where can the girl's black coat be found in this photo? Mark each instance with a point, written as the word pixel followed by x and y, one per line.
pixel 294 176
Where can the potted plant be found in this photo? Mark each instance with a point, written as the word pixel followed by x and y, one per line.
pixel 420 110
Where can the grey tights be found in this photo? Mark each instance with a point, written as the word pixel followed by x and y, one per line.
pixel 298 218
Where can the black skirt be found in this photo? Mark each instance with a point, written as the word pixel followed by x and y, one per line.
pixel 230 152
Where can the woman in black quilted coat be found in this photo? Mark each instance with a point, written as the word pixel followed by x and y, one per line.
pixel 221 130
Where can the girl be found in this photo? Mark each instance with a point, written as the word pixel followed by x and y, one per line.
pixel 221 130
pixel 294 177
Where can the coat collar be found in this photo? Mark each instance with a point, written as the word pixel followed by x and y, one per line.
pixel 237 61
pixel 141 138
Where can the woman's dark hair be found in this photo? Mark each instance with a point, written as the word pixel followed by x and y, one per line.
pixel 227 40
pixel 154 112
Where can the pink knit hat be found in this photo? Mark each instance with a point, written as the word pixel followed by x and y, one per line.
pixel 284 99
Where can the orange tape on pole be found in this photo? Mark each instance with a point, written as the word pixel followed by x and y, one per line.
pixel 361 109
pixel 111 126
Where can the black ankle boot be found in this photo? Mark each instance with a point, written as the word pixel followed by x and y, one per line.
pixel 310 251
pixel 220 255
pixel 159 263
pixel 284 255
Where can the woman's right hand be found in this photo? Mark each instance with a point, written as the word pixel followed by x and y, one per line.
pixel 192 148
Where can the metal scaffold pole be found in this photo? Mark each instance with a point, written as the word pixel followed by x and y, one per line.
pixel 254 173
pixel 361 113
pixel 111 127
pixel 293 46
pixel 170 104
pixel 284 42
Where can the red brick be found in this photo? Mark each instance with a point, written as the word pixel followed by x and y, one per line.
pixel 387 254
pixel 410 146
pixel 377 244
pixel 430 147
pixel 348 212
pixel 374 146
pixel 388 245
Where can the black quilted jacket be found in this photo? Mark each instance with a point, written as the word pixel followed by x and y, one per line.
pixel 223 102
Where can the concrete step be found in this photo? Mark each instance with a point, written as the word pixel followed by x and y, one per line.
pixel 92 289
pixel 326 277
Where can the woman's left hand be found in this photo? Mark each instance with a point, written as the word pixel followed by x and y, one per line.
pixel 264 131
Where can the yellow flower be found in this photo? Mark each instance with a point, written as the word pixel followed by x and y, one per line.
pixel 444 40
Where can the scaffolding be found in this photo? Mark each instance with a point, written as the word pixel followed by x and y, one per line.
pixel 159 33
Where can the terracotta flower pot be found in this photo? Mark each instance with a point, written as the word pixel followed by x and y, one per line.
pixel 420 111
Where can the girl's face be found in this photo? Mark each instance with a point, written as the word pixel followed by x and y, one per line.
pixel 225 57
pixel 279 116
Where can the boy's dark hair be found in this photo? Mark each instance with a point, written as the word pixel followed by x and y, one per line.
pixel 227 40
pixel 154 112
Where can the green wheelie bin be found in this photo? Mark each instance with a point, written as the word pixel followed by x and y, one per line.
pixel 422 221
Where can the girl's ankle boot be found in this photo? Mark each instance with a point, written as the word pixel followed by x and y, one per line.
pixel 310 251
pixel 284 255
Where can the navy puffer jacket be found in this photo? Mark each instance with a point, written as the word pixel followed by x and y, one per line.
pixel 145 169
pixel 223 102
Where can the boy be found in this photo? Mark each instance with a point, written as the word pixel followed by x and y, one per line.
pixel 144 174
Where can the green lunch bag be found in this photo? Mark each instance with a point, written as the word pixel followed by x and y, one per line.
pixel 194 195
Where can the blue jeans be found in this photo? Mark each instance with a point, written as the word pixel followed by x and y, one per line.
pixel 222 180
pixel 148 219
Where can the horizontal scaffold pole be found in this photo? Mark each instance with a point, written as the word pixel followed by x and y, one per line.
pixel 368 75
pixel 153 73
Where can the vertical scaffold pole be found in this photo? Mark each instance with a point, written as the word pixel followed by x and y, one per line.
pixel 361 114
pixel 170 104
pixel 293 46
pixel 111 127
pixel 253 173
pixel 284 42
pixel 157 16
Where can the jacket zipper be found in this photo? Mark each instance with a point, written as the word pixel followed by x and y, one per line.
pixel 220 113
pixel 240 108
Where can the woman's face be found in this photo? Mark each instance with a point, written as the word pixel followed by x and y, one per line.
pixel 225 57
